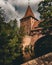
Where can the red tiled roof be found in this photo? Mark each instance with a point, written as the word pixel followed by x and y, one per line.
pixel 29 12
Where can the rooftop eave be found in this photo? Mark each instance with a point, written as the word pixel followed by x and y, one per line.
pixel 28 18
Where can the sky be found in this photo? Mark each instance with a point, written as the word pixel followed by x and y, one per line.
pixel 17 8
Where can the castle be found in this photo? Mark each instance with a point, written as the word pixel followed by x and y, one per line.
pixel 31 29
pixel 33 34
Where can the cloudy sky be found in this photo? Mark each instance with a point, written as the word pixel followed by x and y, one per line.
pixel 16 8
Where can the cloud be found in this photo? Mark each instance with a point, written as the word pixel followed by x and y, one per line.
pixel 10 11
pixel 16 8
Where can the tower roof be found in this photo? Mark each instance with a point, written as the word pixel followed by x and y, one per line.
pixel 29 12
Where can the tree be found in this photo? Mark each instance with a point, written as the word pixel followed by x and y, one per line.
pixel 44 44
pixel 47 26
pixel 1 15
pixel 45 10
pixel 10 41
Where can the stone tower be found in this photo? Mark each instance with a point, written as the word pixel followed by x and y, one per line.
pixel 30 25
pixel 31 28
pixel 29 22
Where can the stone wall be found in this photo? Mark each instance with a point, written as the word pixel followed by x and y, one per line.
pixel 43 60
pixel 28 46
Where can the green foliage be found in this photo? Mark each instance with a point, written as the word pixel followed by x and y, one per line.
pixel 10 40
pixel 45 9
pixel 44 45
pixel 47 26
pixel 26 49
pixel 1 15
